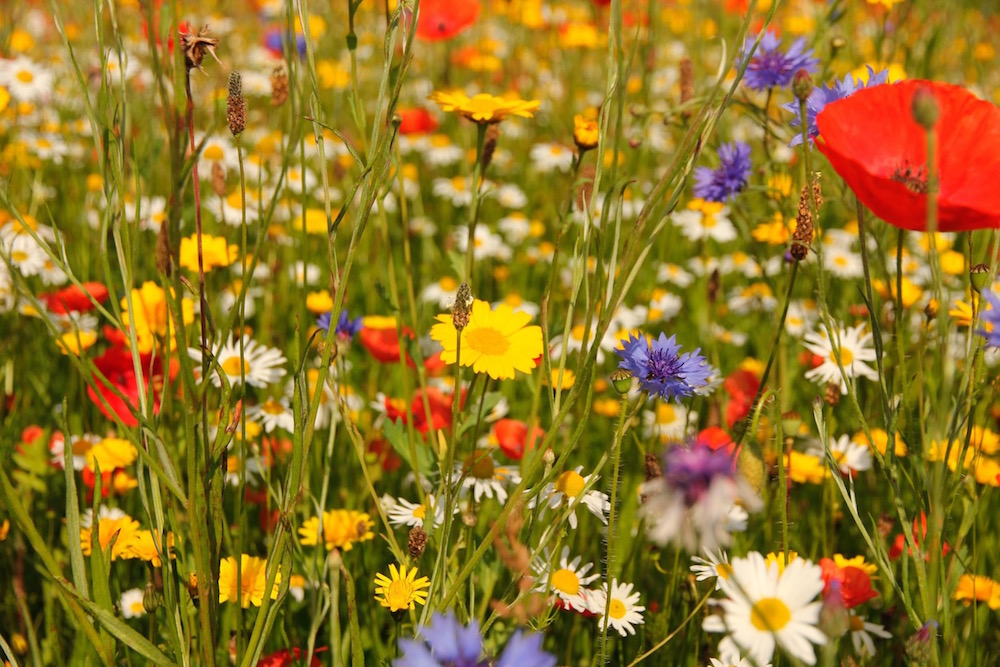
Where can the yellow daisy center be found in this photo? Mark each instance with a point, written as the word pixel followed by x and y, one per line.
pixel 25 76
pixel 857 624
pixel 570 483
pixel 213 152
pixel 723 570
pixel 399 593
pixel 616 609
pixel 232 366
pixel 420 512
pixel 480 466
pixel 846 358
pixel 270 407
pixel 709 221
pixel 565 581
pixel 488 341
pixel 770 614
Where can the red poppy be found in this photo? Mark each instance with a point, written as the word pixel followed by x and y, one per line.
pixel 854 583
pixel 383 344
pixel 512 436
pixel 116 365
pixel 416 121
pixel 387 459
pixel 443 19
pixel 918 534
pixel 434 365
pixel 440 406
pixel 715 438
pixel 286 657
pixel 873 142
pixel 742 386
pixel 73 299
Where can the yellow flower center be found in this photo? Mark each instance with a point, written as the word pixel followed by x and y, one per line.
pixel 570 483
pixel 565 581
pixel 846 358
pixel 840 260
pixel 770 614
pixel 232 366
pixel 448 283
pixel 708 221
pixel 270 407
pixel 723 570
pixel 488 341
pixel 25 76
pixel 857 623
pixel 616 609
pixel 420 512
pixel 213 152
pixel 399 593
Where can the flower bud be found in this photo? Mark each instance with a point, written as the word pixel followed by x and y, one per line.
pixel 925 108
pixel 150 599
pixel 802 85
pixel 979 276
pixel 621 379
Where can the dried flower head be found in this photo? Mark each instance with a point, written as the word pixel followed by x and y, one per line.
pixel 461 309
pixel 218 179
pixel 196 46
pixel 279 86
pixel 236 105
pixel 803 237
pixel 417 542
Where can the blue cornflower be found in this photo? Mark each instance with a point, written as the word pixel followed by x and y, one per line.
pixel 346 327
pixel 772 68
pixel 661 369
pixel 729 178
pixel 828 93
pixel 447 643
pixel 990 317
pixel 691 470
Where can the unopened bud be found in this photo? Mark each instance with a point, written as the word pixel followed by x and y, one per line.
pixel 979 276
pixel 150 599
pixel 837 43
pixel 802 85
pixel 925 108
pixel 469 519
pixel 621 379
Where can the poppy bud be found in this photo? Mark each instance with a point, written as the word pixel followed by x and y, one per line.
pixel 925 108
pixel 979 275
pixel 802 85
pixel 622 380
pixel 150 602
pixel 751 467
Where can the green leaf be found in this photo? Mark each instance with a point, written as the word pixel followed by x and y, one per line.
pixel 395 433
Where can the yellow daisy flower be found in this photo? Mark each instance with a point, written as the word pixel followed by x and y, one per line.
pixel 974 587
pixel 495 342
pixel 253 580
pixel 483 107
pixel 341 529
pixel 586 132
pixel 214 249
pixel 401 589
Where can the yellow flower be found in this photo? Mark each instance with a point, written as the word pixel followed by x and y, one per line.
pixel 341 529
pixel 586 132
pixel 4 529
pixel 400 590
pixel 974 587
pixel 580 35
pixel 75 342
pixel 123 529
pixel 111 453
pixel 253 577
pixel 215 252
pixel 804 468
pixel 779 558
pixel 4 99
pixel 483 107
pixel 495 342
pixel 319 302
pixel 151 319
pixel 145 548
pixel 774 232
pixel 856 562
pixel 881 440
pixel 332 75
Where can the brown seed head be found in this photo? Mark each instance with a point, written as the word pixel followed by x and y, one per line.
pixel 461 309
pixel 803 237
pixel 218 179
pixel 196 46
pixel 652 466
pixel 489 145
pixel 236 105
pixel 279 86
pixel 831 395
pixel 417 542
pixel 687 81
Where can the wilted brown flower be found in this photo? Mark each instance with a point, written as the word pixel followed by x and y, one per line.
pixel 279 86
pixel 196 46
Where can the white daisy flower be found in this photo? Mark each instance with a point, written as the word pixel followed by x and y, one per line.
pixel 861 635
pixel 740 262
pixel 674 274
pixel 404 513
pixel 551 157
pixel 485 478
pixel 217 150
pixel 705 220
pixel 755 297
pixel 457 190
pixel 843 262
pixel 442 292
pixel 273 413
pixel 663 305
pixel 486 243
pixel 852 344
pixel 104 513
pixel 439 151
pixel 668 421
pixel 715 565
pixel 801 317
pixel 766 606
pixel 261 365
pixel 624 612
pixel 567 582
pixel 509 195
pixel 26 80
pixel 850 456
pixel 568 490
pixel 516 227
pixel 131 603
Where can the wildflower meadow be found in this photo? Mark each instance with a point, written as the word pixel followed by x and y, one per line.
pixel 499 333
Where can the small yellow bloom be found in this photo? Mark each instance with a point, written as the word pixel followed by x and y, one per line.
pixel 775 232
pixel 151 318
pixel 216 252
pixel 75 342
pixel 779 558
pixel 341 529
pixel 144 547
pixel 319 302
pixel 111 453
pixel 484 108
pixel 881 441
pixel 124 530
pixel 803 468
pixel 981 589
pixel 253 580
pixel 586 133
pixel 401 589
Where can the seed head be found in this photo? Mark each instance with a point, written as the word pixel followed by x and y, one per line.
pixel 236 105
pixel 461 309
pixel 196 46
pixel 803 237
pixel 279 86
pixel 417 542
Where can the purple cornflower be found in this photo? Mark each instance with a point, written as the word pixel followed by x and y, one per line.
pixel 828 93
pixel 730 177
pixel 661 370
pixel 770 67
pixel 990 317
pixel 346 327
pixel 447 643
pixel 691 470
